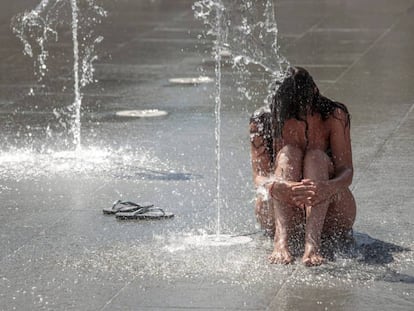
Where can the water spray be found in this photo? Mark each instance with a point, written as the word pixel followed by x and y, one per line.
pixel 37 27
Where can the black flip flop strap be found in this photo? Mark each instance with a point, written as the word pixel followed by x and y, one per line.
pixel 129 203
pixel 146 209
pixel 115 204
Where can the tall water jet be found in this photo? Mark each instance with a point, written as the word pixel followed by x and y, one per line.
pixel 248 30
pixel 252 37
pixel 78 97
pixel 217 110
pixel 38 27
pixel 60 36
pixel 212 13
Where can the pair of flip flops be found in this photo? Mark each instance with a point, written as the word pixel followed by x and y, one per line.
pixel 130 210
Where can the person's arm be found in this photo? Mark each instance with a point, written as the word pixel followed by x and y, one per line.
pixel 261 167
pixel 340 142
pixel 260 157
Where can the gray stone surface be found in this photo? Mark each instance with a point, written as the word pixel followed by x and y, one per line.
pixel 59 252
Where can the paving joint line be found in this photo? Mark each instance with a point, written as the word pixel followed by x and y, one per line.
pixel 382 36
pixel 287 46
pixel 382 146
pixel 118 293
pixel 281 289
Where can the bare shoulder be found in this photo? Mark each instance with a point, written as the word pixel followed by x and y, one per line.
pixel 340 118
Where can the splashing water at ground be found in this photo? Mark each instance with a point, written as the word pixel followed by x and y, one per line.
pixel 89 162
pixel 171 257
pixel 217 240
pixel 174 256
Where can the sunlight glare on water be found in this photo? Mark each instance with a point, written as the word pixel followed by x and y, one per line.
pixel 216 240
pixel 88 162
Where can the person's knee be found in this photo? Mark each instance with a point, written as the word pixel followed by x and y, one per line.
pixel 317 164
pixel 289 163
pixel 291 150
pixel 290 154
pixel 316 155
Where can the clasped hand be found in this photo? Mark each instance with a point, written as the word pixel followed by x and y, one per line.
pixel 306 193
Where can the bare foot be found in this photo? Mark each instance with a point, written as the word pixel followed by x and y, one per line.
pixel 281 255
pixel 312 257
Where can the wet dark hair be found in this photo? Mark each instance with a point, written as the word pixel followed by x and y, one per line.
pixel 262 118
pixel 298 95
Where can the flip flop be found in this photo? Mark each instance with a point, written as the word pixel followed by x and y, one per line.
pixel 144 213
pixel 123 206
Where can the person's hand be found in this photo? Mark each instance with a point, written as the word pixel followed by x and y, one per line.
pixel 311 192
pixel 291 193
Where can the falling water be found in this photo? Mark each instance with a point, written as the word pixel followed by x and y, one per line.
pixel 248 30
pixel 78 97
pixel 252 37
pixel 38 27
pixel 37 24
pixel 51 25
pixel 217 110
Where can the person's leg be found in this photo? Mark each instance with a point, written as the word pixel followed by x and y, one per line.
pixel 288 167
pixel 316 167
pixel 265 215
pixel 340 216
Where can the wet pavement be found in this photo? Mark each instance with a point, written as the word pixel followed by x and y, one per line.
pixel 59 252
